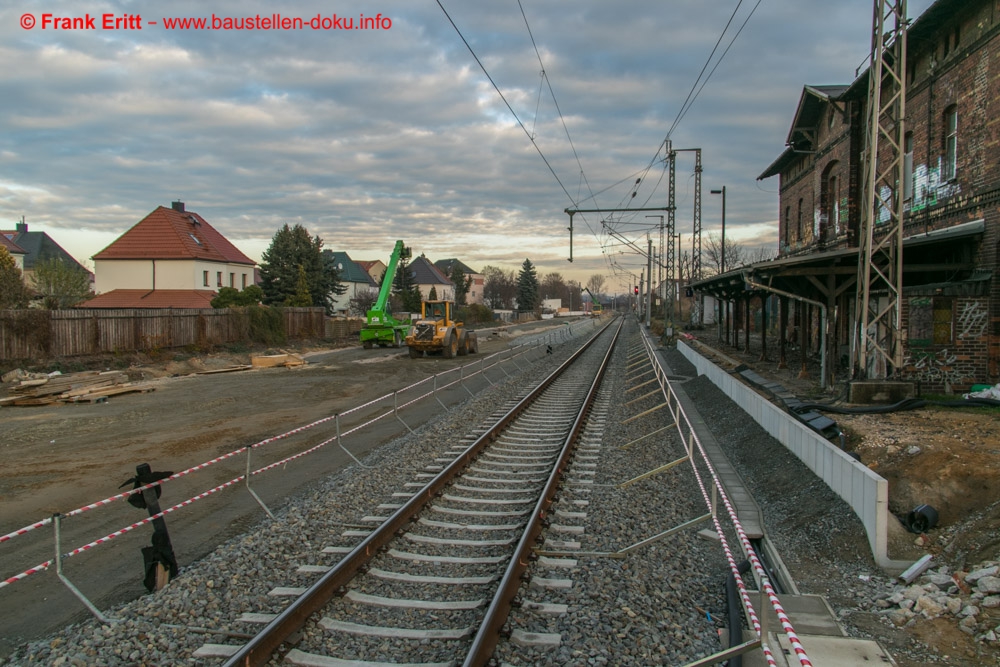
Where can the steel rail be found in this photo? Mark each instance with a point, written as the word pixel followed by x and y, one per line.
pixel 260 649
pixel 490 628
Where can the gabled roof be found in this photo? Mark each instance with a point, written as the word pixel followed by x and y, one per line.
pixel 12 247
pixel 38 247
pixel 802 134
pixel 161 298
pixel 350 272
pixel 174 233
pixel 445 265
pixel 425 273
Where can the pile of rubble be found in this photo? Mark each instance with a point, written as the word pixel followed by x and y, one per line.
pixel 973 598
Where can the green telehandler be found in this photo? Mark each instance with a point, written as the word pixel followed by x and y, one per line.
pixel 382 328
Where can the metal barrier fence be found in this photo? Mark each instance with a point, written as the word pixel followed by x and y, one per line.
pixel 713 492
pixel 345 423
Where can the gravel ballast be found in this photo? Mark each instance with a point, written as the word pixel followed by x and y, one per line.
pixel 663 604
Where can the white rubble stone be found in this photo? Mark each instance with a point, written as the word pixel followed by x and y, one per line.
pixel 990 602
pixel 988 585
pixel 976 575
pixel 969 610
pixel 954 605
pixel 939 580
pixel 899 617
pixel 928 606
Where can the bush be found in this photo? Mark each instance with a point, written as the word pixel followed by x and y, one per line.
pixel 475 313
pixel 266 325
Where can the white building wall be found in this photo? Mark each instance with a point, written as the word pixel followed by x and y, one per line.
pixel 444 292
pixel 111 274
pixel 342 302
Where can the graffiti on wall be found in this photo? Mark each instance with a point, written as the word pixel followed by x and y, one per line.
pixel 972 320
pixel 928 187
pixel 932 367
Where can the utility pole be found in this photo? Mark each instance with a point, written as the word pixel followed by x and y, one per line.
pixel 649 272
pixel 878 351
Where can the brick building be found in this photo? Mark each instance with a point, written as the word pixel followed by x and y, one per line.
pixel 950 304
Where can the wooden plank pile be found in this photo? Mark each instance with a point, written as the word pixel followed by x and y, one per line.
pixel 85 387
pixel 286 359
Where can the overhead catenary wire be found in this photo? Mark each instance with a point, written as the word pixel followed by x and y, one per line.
pixel 527 133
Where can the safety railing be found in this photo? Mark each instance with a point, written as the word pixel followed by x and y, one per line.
pixel 346 423
pixel 714 492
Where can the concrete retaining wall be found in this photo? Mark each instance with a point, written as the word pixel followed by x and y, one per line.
pixel 866 492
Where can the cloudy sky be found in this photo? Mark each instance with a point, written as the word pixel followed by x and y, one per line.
pixel 368 136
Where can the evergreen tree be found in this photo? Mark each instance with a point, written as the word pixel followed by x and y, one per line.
pixel 59 284
pixel 404 290
pixel 433 294
pixel 13 292
pixel 292 250
pixel 527 287
pixel 301 298
pixel 462 283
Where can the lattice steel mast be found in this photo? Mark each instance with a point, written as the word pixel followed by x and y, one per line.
pixel 878 351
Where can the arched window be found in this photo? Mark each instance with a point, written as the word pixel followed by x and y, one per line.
pixel 829 203
pixel 908 168
pixel 798 223
pixel 950 167
pixel 787 236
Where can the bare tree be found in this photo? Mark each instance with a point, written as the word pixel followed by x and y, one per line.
pixel 595 283
pixel 712 255
pixel 499 288
pixel 553 286
pixel 363 301
pixel 761 253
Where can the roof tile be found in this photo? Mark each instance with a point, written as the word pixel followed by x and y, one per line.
pixel 161 298
pixel 167 233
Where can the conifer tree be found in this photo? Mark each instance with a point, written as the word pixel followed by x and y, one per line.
pixel 14 293
pixel 293 249
pixel 527 287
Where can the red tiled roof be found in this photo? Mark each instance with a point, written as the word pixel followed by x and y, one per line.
pixel 161 298
pixel 12 247
pixel 170 234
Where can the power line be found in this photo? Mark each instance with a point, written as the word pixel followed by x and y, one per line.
pixel 502 97
pixel 684 106
pixel 745 21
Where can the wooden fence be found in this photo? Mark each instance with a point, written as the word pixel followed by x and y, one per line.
pixel 34 334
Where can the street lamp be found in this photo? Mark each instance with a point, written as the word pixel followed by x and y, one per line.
pixel 723 193
pixel 723 319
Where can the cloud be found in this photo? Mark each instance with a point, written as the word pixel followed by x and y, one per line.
pixel 366 137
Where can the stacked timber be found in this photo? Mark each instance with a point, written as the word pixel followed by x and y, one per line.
pixel 286 359
pixel 85 387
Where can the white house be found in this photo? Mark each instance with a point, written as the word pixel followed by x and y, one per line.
pixel 172 258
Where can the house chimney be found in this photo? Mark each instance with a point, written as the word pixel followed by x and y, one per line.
pixel 178 206
pixel 21 227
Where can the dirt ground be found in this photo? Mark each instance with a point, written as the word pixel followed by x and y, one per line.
pixel 948 458
pixel 57 458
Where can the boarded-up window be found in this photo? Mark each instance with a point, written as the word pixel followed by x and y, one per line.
pixel 931 321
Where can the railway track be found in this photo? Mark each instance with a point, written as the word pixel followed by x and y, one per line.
pixel 433 581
